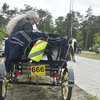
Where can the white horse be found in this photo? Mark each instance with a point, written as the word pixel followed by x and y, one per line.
pixel 72 51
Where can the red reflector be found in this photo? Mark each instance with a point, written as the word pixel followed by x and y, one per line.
pixel 17 73
pixel 56 75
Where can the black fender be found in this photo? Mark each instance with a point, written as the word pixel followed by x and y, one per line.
pixel 2 71
pixel 70 76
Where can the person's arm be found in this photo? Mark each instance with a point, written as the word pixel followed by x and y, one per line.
pixel 27 26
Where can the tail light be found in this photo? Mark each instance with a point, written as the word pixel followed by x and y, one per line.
pixel 56 75
pixel 17 73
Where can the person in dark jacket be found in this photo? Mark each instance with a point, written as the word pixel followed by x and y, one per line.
pixel 22 22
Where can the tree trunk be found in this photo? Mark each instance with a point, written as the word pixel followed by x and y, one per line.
pixel 87 35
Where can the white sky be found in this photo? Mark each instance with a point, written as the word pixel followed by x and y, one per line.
pixel 56 7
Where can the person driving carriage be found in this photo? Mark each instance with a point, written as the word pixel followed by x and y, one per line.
pixel 22 22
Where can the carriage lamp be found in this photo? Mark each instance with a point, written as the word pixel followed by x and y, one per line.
pixel 17 73
pixel 56 75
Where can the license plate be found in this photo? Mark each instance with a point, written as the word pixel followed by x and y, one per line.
pixel 38 70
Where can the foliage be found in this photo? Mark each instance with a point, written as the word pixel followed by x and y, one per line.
pixel 2 33
pixel 79 38
pixel 13 86
pixel 2 21
pixel 60 26
pixel 56 32
pixel 91 97
pixel 89 18
pixel 8 14
pixel 96 41
pixel 45 22
pixel 89 25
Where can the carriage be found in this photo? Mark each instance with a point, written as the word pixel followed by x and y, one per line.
pixel 53 63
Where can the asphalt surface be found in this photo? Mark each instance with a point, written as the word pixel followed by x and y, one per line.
pixel 87 74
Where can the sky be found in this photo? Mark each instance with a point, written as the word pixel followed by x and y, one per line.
pixel 56 7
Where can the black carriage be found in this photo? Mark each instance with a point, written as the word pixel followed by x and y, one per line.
pixel 61 74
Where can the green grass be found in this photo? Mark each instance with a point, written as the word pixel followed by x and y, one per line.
pixel 2 45
pixel 89 55
pixel 91 97
pixel 40 78
pixel 13 86
pixel 46 79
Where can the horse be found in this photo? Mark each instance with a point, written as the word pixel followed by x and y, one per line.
pixel 72 51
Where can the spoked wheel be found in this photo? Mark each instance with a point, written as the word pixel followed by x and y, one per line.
pixel 3 88
pixel 66 90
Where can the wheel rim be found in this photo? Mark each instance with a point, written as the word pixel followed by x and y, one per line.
pixel 4 87
pixel 65 88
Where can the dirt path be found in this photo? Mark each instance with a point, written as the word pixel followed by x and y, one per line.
pixel 30 92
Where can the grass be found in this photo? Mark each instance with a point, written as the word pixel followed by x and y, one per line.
pixel 89 55
pixel 46 79
pixel 40 78
pixel 2 45
pixel 91 97
pixel 13 86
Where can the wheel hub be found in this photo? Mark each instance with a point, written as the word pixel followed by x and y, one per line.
pixel 65 86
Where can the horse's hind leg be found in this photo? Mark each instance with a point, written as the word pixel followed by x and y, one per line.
pixel 73 58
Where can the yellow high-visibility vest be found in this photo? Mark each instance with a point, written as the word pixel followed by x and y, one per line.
pixel 37 50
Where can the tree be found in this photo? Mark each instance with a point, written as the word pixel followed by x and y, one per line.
pixel 2 21
pixel 27 7
pixel 75 23
pixel 96 41
pixel 79 38
pixel 59 22
pixel 89 17
pixel 76 20
pixel 45 22
pixel 67 25
pixel 7 14
pixel 2 33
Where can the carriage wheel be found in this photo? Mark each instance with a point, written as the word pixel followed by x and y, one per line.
pixel 66 90
pixel 3 88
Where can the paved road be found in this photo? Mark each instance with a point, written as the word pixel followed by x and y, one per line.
pixel 87 74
